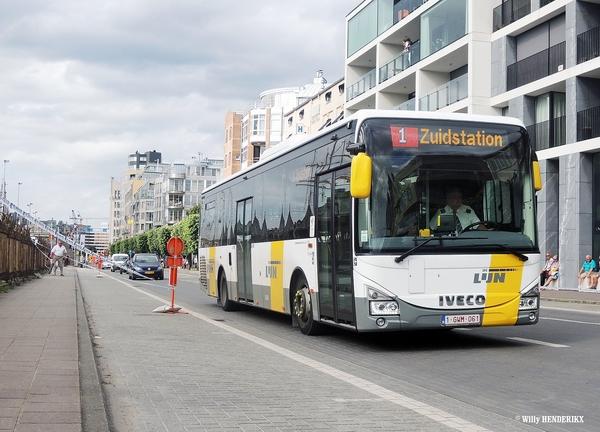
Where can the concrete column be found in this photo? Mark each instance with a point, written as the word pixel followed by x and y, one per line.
pixel 575 215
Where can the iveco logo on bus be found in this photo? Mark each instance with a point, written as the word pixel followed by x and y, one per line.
pixel 462 300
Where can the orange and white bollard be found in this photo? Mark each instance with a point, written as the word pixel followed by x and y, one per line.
pixel 99 260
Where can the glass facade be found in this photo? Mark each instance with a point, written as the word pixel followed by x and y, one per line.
pixel 442 25
pixel 362 28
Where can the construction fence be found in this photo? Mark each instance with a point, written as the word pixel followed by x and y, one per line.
pixel 20 256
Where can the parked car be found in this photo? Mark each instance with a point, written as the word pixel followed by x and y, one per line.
pixel 146 264
pixel 118 262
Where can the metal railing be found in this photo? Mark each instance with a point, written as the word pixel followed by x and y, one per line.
pixel 536 66
pixel 509 12
pixel 364 83
pixel 446 94
pixel 401 62
pixel 588 123
pixel 548 134
pixel 588 45
pixel 409 105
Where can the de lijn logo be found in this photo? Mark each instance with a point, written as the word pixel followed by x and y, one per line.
pixel 491 276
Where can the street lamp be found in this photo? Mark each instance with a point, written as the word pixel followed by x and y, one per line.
pixel 4 179
pixel 18 192
pixel 29 205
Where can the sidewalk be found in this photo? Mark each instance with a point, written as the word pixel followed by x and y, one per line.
pixel 47 381
pixel 587 296
pixel 185 372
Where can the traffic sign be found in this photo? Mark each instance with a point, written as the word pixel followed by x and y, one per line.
pixel 174 246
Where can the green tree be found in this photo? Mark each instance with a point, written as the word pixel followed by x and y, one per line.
pixel 141 243
pixel 164 234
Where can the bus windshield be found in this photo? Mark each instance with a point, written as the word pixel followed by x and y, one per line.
pixel 449 186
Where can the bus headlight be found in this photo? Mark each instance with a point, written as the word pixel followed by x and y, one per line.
pixel 389 307
pixel 527 303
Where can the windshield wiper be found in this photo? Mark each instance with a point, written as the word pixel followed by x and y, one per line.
pixel 405 255
pixel 514 252
pixel 410 251
pixel 519 255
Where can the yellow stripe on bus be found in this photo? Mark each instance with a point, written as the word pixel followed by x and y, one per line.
pixel 212 276
pixel 276 276
pixel 502 295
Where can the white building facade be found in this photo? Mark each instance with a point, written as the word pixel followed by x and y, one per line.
pixel 537 60
pixel 158 194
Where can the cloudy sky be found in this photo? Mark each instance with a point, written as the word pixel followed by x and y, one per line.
pixel 85 83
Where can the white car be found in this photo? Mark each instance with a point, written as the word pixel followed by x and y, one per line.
pixel 118 261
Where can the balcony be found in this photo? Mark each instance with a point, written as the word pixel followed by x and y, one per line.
pixel 446 94
pixel 364 83
pixel 588 123
pixel 405 7
pixel 548 134
pixel 409 105
pixel 535 67
pixel 401 62
pixel 509 12
pixel 588 45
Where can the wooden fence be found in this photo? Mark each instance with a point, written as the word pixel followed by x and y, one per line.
pixel 19 256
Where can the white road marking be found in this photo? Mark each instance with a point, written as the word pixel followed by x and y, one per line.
pixel 571 321
pixel 424 409
pixel 537 342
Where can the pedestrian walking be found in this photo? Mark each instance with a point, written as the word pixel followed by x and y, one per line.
pixel 58 254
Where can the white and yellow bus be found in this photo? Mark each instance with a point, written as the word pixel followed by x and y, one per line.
pixel 348 227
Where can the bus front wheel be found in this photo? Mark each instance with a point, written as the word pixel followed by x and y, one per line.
pixel 226 303
pixel 303 309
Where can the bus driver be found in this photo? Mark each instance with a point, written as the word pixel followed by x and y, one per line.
pixel 463 214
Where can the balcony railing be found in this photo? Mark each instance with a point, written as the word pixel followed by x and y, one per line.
pixel 509 12
pixel 401 62
pixel 535 67
pixel 548 134
pixel 364 83
pixel 409 105
pixel 446 94
pixel 588 45
pixel 588 124
pixel 405 7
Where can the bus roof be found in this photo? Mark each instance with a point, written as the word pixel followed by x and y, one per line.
pixel 360 116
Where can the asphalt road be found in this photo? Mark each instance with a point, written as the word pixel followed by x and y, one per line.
pixel 529 373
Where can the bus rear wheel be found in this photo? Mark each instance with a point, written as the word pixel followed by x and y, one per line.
pixel 303 309
pixel 227 304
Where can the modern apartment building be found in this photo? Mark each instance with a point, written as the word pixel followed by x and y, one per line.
pixel 537 60
pixel 179 188
pixel 158 194
pixel 321 110
pixel 261 124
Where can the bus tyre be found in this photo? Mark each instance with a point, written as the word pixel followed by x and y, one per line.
pixel 303 309
pixel 227 304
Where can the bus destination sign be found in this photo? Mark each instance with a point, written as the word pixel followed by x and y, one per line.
pixel 413 137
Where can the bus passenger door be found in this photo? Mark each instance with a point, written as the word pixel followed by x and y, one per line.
pixel 243 227
pixel 336 296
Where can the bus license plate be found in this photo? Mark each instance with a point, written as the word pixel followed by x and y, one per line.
pixel 461 320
